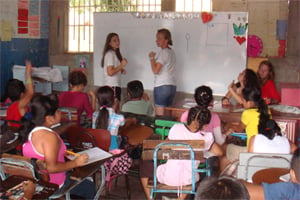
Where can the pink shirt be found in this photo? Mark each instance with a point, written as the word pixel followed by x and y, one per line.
pixel 30 151
pixel 179 172
pixel 214 126
pixel 79 100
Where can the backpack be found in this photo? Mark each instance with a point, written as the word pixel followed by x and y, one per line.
pixel 118 164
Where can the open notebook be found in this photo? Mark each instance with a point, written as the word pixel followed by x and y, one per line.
pixel 95 154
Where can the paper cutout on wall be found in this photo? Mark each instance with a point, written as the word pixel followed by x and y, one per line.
pixel 22 30
pixel 23 4
pixel 23 17
pixel 23 12
pixel 34 32
pixel 240 39
pixel 6 31
pixel 241 29
pixel 206 17
pixel 35 25
pixel 34 18
pixel 22 24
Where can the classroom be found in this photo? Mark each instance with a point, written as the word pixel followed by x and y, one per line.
pixel 214 42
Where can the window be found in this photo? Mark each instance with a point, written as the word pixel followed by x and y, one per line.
pixel 80 26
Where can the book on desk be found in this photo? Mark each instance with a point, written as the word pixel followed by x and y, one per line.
pixel 95 154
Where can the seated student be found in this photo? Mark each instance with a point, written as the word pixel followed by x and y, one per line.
pixel 178 172
pixel 254 118
pixel 270 140
pixel 246 78
pixel 76 97
pixel 106 117
pixel 281 190
pixel 43 143
pixel 203 97
pixel 223 187
pixel 266 76
pixel 20 97
pixel 137 104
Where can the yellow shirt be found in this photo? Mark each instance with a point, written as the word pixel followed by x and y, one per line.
pixel 250 118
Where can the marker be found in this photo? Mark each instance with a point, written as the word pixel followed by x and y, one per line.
pixel 72 153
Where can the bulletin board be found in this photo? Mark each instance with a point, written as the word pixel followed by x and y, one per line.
pixel 24 19
pixel 210 48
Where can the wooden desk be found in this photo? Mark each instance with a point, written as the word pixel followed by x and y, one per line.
pixel 230 114
pixel 81 173
pixel 270 175
pixel 11 181
pixel 136 133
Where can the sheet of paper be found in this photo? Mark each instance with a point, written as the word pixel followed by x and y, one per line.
pixel 6 31
pixel 95 154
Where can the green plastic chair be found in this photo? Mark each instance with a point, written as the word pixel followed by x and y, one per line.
pixel 162 127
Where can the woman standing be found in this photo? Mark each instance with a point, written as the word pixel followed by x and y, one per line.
pixel 113 63
pixel 163 67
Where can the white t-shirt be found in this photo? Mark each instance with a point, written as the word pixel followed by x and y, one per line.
pixel 111 59
pixel 279 144
pixel 166 76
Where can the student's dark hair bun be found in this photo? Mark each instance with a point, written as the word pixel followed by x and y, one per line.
pixel 203 96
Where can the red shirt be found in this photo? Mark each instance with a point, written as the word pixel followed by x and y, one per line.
pixel 79 100
pixel 269 91
pixel 14 114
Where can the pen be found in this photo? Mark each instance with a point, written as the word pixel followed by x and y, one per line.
pixel 72 153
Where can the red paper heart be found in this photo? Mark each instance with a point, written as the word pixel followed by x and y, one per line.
pixel 240 40
pixel 206 17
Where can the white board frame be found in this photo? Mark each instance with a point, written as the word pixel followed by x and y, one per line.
pixel 213 56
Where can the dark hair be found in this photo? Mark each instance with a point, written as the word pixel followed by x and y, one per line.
pixel 223 187
pixel 14 89
pixel 200 114
pixel 77 78
pixel 167 35
pixel 295 164
pixel 251 79
pixel 271 75
pixel 40 107
pixel 270 130
pixel 105 96
pixel 135 89
pixel 107 47
pixel 203 96
pixel 254 94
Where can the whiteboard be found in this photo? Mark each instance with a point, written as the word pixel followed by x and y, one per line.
pixel 206 53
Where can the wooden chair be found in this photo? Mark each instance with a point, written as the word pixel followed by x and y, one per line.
pixel 69 114
pixel 249 163
pixel 22 166
pixel 174 149
pixel 86 138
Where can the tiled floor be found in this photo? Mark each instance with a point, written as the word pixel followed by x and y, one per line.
pixel 119 190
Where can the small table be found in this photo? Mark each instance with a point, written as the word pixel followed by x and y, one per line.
pixel 11 181
pixel 269 175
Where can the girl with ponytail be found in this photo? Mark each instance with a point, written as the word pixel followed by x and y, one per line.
pixel 106 117
pixel 204 96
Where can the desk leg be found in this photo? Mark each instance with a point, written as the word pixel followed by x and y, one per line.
pixel 99 191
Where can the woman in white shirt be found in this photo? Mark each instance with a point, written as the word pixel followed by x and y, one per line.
pixel 113 63
pixel 163 67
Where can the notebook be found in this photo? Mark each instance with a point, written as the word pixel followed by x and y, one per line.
pixel 95 154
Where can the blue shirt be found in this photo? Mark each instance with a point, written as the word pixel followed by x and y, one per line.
pixel 282 190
